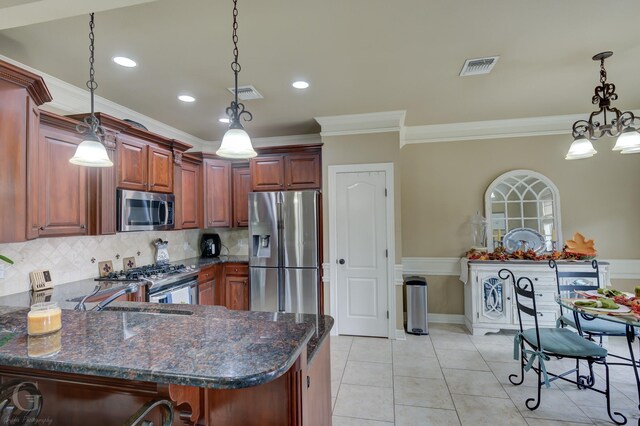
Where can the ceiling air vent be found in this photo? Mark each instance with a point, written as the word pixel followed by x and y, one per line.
pixel 478 66
pixel 246 93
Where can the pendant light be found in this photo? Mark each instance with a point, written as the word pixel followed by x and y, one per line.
pixel 236 142
pixel 618 124
pixel 91 152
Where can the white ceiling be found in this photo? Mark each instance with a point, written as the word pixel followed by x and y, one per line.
pixel 359 56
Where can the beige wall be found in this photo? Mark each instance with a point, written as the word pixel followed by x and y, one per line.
pixel 444 185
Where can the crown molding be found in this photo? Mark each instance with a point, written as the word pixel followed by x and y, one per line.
pixel 491 129
pixel 69 99
pixel 354 124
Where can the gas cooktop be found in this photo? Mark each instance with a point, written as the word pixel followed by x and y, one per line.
pixel 153 274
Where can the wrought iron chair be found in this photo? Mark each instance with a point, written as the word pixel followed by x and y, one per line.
pixel 537 345
pixel 583 323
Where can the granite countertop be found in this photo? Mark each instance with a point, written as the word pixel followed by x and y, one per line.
pixel 204 346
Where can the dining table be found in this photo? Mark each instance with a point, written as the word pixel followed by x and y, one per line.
pixel 627 317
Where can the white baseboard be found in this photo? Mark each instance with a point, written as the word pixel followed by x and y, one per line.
pixel 445 318
pixel 400 334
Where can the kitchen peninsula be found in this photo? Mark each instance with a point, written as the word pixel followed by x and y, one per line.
pixel 215 366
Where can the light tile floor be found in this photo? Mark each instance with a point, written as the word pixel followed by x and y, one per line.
pixel 452 378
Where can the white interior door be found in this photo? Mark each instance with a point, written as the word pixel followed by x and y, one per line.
pixel 361 255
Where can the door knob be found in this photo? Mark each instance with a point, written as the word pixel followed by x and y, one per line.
pixel 341 261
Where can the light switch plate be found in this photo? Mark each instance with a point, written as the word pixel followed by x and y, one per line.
pixel 40 280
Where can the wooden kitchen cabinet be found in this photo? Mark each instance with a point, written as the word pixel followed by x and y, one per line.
pixel 21 92
pixel 190 196
pixel 217 193
pixel 205 293
pixel 236 283
pixel 160 170
pixel 62 201
pixel 143 167
pixel 33 183
pixel 286 172
pixel 241 189
pixel 302 171
pixel 267 173
pixel 206 286
pixel 132 163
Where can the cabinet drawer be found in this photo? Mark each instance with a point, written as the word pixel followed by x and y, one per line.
pixel 206 274
pixel 545 296
pixel 544 280
pixel 236 269
pixel 547 316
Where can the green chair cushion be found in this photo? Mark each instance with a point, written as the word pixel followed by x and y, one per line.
pixel 564 342
pixel 596 326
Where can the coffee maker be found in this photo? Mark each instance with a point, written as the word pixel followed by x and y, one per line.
pixel 210 245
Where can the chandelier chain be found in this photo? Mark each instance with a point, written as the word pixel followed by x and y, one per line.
pixel 236 109
pixel 603 72
pixel 91 124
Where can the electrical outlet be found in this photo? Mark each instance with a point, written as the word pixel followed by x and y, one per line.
pixel 1 271
pixel 243 243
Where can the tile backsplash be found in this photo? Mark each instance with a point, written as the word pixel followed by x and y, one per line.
pixel 69 258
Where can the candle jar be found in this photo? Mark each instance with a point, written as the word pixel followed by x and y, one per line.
pixel 44 318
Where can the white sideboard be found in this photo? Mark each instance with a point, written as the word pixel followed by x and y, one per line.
pixel 489 301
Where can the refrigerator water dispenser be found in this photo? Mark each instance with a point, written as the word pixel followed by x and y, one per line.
pixel 262 245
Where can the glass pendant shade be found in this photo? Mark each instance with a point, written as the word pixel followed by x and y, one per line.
pixel 92 153
pixel 236 144
pixel 580 148
pixel 629 139
pixel 631 150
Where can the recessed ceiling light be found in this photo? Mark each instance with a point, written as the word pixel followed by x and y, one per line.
pixel 223 120
pixel 125 62
pixel 186 98
pixel 300 84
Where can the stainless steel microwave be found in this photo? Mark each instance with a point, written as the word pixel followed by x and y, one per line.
pixel 144 211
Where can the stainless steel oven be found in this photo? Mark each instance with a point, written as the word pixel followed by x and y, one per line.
pixel 144 211
pixel 185 292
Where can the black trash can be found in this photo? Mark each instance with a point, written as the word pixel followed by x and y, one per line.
pixel 417 305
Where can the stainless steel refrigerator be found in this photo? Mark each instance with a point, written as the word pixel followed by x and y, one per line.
pixel 284 264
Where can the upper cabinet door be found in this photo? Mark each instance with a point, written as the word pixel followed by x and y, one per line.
pixel 217 193
pixel 241 189
pixel 267 173
pixel 160 170
pixel 302 171
pixel 33 140
pixel 63 186
pixel 190 198
pixel 132 163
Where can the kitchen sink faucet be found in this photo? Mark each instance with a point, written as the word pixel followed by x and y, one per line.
pixel 130 288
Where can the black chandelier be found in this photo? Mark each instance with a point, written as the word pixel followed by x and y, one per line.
pixel 236 142
pixel 614 122
pixel 91 152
